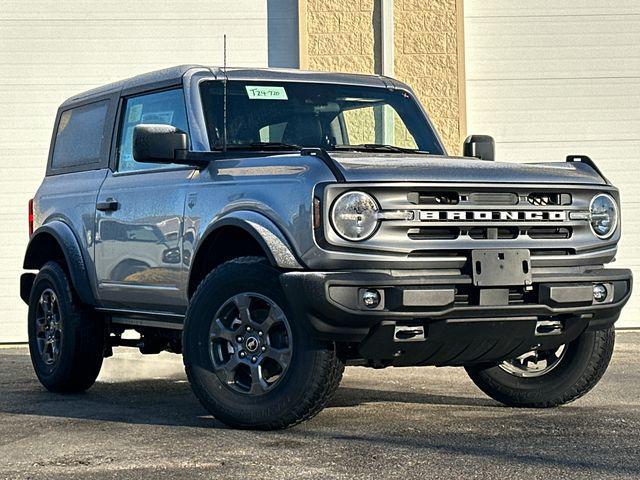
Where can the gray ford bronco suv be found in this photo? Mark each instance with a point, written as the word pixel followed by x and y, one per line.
pixel 272 226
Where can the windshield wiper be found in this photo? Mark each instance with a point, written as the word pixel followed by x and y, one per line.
pixel 264 146
pixel 380 147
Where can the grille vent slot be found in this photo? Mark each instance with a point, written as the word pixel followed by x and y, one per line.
pixel 436 254
pixel 492 198
pixel 554 252
pixel 539 233
pixel 433 198
pixel 434 233
pixel 494 233
pixel 549 199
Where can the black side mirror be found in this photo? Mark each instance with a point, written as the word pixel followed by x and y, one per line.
pixel 480 146
pixel 155 143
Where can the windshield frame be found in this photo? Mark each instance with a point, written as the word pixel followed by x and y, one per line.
pixel 386 84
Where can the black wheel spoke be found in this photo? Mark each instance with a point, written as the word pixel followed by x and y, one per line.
pixel 281 356
pixel 228 370
pixel 274 317
pixel 41 325
pixel 243 304
pixel 219 330
pixel 258 384
pixel 55 351
pixel 44 303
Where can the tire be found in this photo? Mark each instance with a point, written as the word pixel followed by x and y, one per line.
pixel 578 370
pixel 79 337
pixel 301 388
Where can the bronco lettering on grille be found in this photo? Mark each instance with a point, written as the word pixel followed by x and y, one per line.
pixel 492 215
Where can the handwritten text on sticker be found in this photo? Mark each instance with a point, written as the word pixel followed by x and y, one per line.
pixel 266 93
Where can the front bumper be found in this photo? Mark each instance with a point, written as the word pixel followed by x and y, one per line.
pixel 487 324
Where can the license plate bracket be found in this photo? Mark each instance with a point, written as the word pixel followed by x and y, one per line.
pixel 498 268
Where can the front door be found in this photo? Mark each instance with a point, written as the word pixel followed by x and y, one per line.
pixel 139 216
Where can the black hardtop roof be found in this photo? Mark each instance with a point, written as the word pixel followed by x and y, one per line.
pixel 265 74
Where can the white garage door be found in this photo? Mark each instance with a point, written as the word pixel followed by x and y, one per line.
pixel 549 78
pixel 52 50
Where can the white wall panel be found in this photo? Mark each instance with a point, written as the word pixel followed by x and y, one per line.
pixel 50 50
pixel 549 78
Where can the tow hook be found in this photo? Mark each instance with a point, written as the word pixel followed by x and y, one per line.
pixel 548 327
pixel 409 333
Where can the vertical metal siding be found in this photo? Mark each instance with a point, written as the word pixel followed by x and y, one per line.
pixel 549 78
pixel 52 50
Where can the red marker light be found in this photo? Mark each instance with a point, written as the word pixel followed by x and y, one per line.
pixel 31 217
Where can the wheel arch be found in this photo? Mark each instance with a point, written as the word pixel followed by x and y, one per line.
pixel 240 233
pixel 56 241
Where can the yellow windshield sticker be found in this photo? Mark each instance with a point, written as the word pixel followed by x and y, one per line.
pixel 256 92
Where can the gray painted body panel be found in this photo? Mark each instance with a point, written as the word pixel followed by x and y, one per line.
pixel 279 189
pixel 139 258
pixel 367 167
pixel 71 199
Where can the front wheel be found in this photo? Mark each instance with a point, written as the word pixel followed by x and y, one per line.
pixel 543 379
pixel 250 362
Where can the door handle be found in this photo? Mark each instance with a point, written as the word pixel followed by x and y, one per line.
pixel 110 205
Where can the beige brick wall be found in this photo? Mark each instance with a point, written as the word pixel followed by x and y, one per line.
pixel 427 57
pixel 344 35
pixel 340 35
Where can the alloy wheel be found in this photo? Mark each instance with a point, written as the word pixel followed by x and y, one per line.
pixel 534 363
pixel 250 343
pixel 48 327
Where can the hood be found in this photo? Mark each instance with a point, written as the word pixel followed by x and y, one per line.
pixel 363 167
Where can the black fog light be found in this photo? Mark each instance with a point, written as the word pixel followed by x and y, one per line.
pixel 600 292
pixel 371 298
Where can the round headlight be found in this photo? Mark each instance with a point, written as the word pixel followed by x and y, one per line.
pixel 603 215
pixel 354 216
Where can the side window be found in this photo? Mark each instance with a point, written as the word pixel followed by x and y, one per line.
pixel 163 107
pixel 80 136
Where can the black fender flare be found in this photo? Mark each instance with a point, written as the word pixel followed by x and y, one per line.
pixel 61 233
pixel 264 231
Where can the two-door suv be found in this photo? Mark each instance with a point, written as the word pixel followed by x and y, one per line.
pixel 275 225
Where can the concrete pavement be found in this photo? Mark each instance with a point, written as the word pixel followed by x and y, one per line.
pixel 141 421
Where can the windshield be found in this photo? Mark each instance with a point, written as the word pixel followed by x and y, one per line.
pixel 291 115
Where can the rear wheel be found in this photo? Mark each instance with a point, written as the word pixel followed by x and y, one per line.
pixel 548 378
pixel 250 363
pixel 66 344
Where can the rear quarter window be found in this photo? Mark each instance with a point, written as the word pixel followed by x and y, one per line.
pixel 80 136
